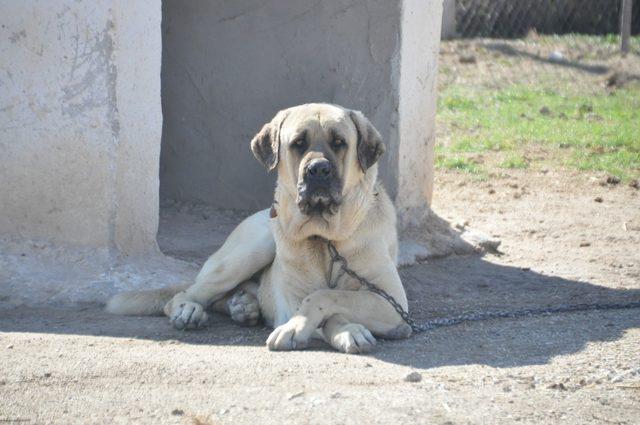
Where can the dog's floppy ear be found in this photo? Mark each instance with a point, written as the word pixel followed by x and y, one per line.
pixel 266 144
pixel 370 145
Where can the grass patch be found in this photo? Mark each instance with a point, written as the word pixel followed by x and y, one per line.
pixel 458 163
pixel 623 164
pixel 588 132
pixel 460 103
pixel 515 162
pixel 557 115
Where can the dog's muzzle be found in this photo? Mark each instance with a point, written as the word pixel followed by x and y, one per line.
pixel 319 188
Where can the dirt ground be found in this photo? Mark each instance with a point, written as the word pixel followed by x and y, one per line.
pixel 567 238
pixel 559 246
pixel 587 64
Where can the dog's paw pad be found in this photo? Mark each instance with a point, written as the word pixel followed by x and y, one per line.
pixel 244 308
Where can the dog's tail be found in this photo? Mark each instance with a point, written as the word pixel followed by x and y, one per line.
pixel 142 303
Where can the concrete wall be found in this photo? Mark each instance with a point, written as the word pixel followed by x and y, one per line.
pixel 80 113
pixel 229 66
pixel 80 122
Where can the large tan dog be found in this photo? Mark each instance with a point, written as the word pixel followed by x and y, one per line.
pixel 276 263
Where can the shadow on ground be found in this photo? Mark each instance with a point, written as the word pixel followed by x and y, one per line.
pixel 440 288
pixel 509 50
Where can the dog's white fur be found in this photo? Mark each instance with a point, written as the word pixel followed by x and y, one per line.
pixel 286 260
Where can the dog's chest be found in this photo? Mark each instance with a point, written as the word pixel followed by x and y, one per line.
pixel 300 270
pixel 309 263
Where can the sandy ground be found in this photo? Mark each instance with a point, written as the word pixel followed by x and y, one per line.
pixel 83 366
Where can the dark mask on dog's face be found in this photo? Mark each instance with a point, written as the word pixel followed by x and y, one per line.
pixel 318 149
pixel 319 181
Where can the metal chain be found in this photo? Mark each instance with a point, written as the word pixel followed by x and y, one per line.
pixel 467 317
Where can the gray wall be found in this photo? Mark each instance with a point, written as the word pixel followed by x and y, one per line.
pixel 229 66
pixel 80 122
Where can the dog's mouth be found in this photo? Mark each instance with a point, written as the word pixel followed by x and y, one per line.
pixel 318 200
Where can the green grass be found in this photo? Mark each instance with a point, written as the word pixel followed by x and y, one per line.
pixel 515 161
pixel 586 131
pixel 458 163
pixel 462 164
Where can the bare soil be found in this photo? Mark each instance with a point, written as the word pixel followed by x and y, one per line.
pixel 559 246
pixel 574 63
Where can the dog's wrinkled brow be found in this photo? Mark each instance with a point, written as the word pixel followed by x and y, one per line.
pixel 301 134
pixel 336 134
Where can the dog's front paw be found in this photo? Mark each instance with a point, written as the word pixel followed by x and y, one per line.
pixel 244 308
pixel 187 315
pixel 353 338
pixel 290 336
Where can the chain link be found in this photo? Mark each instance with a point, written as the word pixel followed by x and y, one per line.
pixel 509 18
pixel 467 317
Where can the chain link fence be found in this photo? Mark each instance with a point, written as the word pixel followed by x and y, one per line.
pixel 515 18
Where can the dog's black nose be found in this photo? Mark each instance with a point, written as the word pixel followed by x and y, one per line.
pixel 319 168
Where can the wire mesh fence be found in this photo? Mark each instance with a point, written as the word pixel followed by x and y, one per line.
pixel 515 18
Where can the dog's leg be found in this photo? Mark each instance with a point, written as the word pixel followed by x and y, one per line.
pixel 247 250
pixel 344 316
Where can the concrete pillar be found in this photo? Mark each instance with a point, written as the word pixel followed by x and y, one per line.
pixel 80 122
pixel 418 70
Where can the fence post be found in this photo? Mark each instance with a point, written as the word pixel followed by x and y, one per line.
pixel 625 25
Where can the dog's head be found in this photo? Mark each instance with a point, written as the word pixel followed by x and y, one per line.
pixel 320 151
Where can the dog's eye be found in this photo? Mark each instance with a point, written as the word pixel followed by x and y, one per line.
pixel 299 144
pixel 338 143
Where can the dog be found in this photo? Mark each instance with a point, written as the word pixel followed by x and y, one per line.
pixel 276 264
